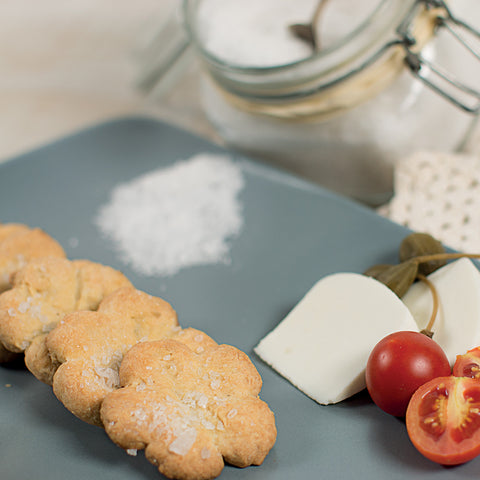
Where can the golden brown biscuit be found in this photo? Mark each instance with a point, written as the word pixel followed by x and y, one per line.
pixel 45 290
pixel 13 260
pixel 7 229
pixel 18 245
pixel 190 411
pixel 87 347
pixel 7 357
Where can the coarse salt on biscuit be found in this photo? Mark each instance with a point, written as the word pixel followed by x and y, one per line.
pixel 191 412
pixel 45 290
pixel 18 245
pixel 86 348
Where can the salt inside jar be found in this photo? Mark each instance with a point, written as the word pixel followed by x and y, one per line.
pixel 255 33
pixel 343 115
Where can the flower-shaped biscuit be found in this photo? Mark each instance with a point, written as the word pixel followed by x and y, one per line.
pixel 86 348
pixel 45 290
pixel 18 245
pixel 192 405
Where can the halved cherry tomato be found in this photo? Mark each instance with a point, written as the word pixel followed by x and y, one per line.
pixel 443 419
pixel 468 364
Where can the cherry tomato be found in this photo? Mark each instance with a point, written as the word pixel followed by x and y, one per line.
pixel 443 419
pixel 398 365
pixel 468 364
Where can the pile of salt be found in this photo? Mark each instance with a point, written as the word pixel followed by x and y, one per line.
pixel 176 217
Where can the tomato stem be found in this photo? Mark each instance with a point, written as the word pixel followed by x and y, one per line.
pixel 428 329
pixel 433 257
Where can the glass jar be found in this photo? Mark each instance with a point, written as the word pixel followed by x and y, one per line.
pixel 343 116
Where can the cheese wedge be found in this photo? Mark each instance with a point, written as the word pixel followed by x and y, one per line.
pixel 323 344
pixel 457 325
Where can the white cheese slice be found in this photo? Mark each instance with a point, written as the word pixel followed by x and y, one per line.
pixel 323 344
pixel 457 325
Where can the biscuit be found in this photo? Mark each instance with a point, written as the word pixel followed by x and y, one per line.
pixel 86 347
pixel 191 412
pixel 18 245
pixel 45 290
pixel 6 356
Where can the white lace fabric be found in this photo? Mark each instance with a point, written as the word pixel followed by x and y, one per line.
pixel 439 194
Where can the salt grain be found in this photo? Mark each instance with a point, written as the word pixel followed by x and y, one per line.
pixel 184 442
pixel 73 242
pixel 108 376
pixel 176 217
pixel 215 384
pixel 205 453
pixel 232 413
pixel 23 307
pixel 207 424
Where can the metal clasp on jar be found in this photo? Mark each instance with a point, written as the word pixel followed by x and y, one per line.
pixel 444 82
